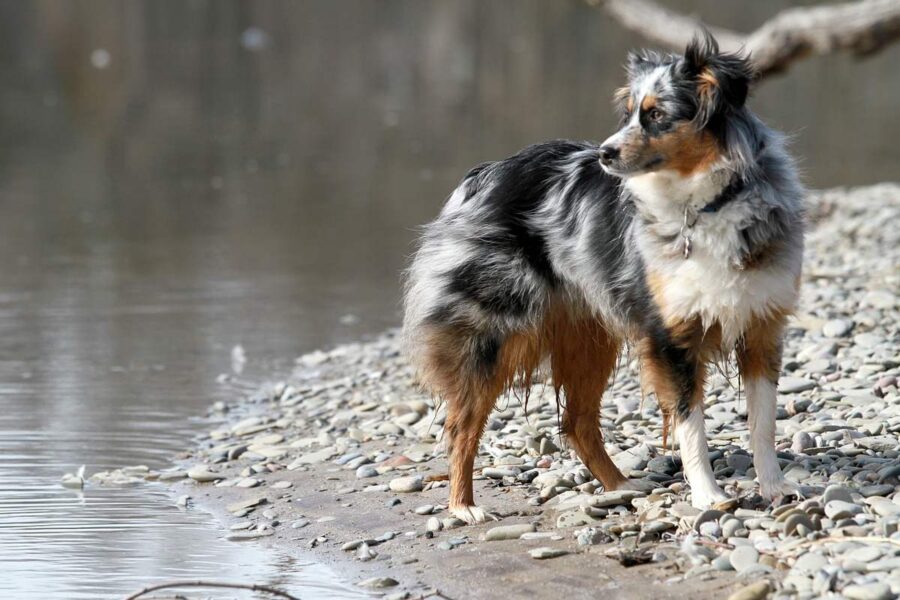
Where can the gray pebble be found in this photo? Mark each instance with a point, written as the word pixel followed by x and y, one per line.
pixel 547 552
pixel 838 509
pixel 723 563
pixel 404 485
pixel 795 385
pixel 739 462
pixel 837 328
pixel 801 442
pixel 809 563
pixel 366 471
pixel 868 591
pixel 797 520
pixel 743 558
pixel 837 492
pixel 508 532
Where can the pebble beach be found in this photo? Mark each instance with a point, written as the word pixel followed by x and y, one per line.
pixel 343 461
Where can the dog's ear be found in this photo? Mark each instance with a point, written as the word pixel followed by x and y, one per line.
pixel 722 79
pixel 637 63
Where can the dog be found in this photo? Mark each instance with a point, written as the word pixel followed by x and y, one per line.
pixel 681 235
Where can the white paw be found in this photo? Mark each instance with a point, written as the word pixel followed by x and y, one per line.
pixel 777 487
pixel 704 499
pixel 471 515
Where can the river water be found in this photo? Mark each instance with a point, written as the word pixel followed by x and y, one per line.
pixel 178 178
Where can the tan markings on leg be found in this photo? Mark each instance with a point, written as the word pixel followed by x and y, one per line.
pixel 701 345
pixel 759 359
pixel 759 350
pixel 582 357
pixel 470 397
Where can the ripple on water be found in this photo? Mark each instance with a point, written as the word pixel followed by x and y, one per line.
pixel 106 542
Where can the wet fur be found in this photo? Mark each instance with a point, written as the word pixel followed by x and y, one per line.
pixel 547 255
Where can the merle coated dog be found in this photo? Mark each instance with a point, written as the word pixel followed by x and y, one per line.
pixel 681 234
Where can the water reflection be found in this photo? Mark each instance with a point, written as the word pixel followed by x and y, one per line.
pixel 177 178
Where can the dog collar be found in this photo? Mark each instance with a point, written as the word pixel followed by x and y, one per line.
pixel 728 193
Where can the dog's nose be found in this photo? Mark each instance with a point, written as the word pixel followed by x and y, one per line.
pixel 608 154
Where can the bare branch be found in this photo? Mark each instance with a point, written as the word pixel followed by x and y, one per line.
pixel 663 26
pixel 862 27
pixel 212 584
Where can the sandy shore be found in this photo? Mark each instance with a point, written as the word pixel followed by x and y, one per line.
pixel 342 462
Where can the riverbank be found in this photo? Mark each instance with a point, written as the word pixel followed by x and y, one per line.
pixel 342 462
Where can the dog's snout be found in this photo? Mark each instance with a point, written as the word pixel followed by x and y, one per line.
pixel 608 153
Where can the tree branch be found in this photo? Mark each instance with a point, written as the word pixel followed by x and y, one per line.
pixel 863 27
pixel 212 584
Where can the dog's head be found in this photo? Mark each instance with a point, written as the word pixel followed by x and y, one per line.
pixel 674 108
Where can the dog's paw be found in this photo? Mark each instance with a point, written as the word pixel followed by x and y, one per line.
pixel 773 489
pixel 470 515
pixel 704 499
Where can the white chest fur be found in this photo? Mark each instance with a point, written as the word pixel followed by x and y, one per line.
pixel 709 283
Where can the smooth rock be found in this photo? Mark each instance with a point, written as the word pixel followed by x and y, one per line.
pixel 574 518
pixel 743 558
pixel 796 520
pixel 378 582
pixel 837 328
pixel 547 552
pixel 201 474
pixel 755 591
pixel 366 471
pixel 405 485
pixel 245 504
pixel 739 462
pixel 801 442
pixel 883 507
pixel 868 591
pixel 795 385
pixel 838 509
pixel 837 492
pixel 508 532
pixel 615 498
pixel 865 554
pixel 809 563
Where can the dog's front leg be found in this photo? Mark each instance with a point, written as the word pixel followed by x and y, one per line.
pixel 759 360
pixel 691 434
pixel 677 378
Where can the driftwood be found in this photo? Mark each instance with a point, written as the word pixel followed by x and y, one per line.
pixel 212 584
pixel 862 28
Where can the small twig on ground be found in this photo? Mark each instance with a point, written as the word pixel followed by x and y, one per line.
pixel 213 584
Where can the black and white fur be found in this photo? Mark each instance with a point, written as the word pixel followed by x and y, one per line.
pixel 585 225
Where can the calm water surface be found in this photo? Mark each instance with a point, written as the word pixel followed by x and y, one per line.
pixel 177 178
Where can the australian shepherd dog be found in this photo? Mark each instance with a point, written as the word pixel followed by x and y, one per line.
pixel 680 235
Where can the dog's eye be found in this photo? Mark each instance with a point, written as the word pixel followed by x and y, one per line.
pixel 655 114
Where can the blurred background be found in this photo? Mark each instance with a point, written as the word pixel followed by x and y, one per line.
pixel 179 177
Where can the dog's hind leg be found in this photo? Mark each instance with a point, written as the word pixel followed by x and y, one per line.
pixel 466 416
pixel 471 370
pixel 582 358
